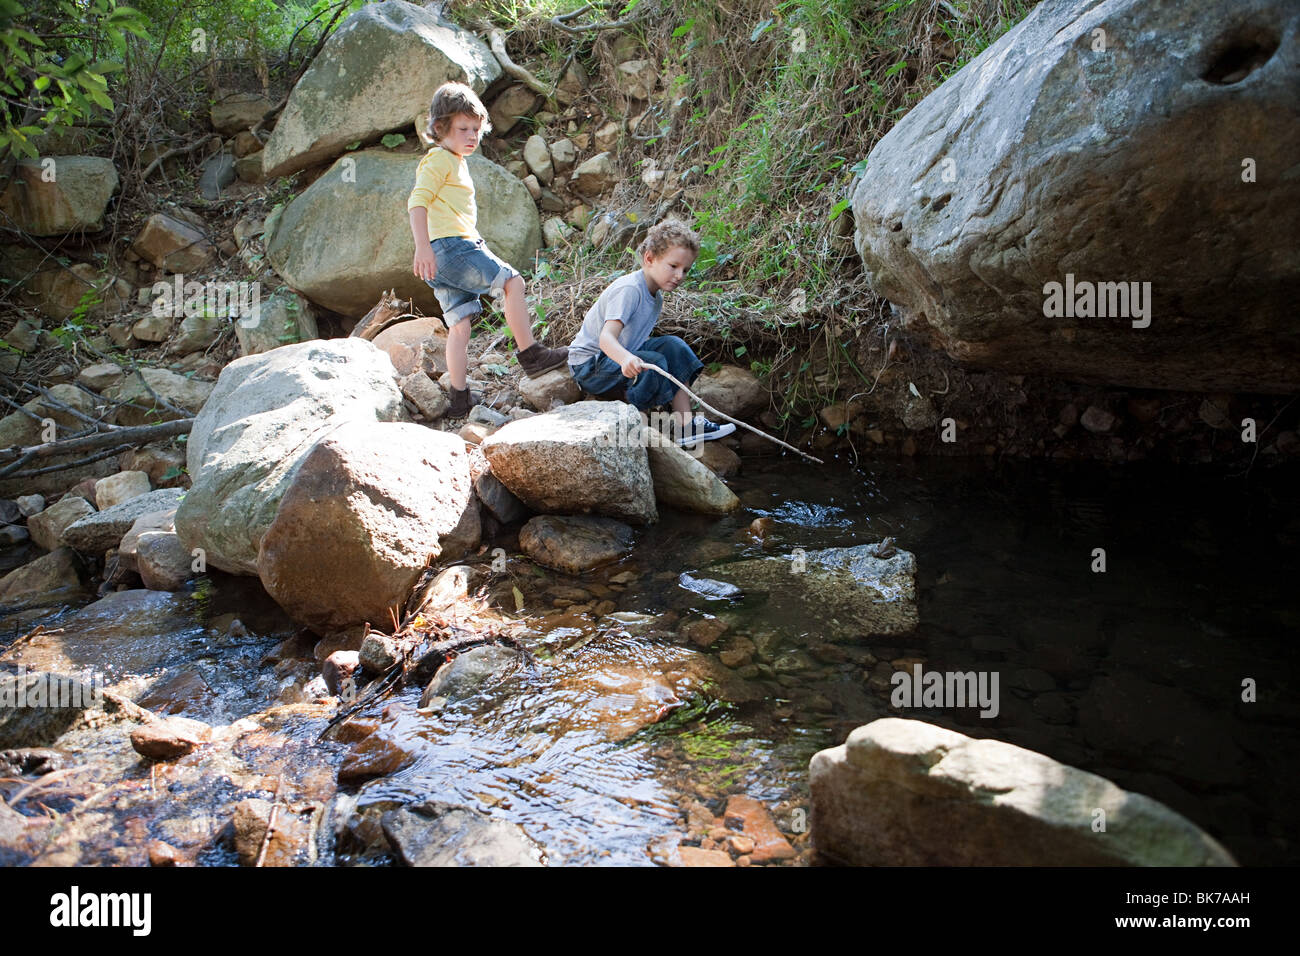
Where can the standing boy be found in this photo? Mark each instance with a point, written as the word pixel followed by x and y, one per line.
pixel 451 256
pixel 614 342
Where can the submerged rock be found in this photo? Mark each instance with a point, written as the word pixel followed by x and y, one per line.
pixel 904 792
pixel 435 833
pixel 574 544
pixel 843 592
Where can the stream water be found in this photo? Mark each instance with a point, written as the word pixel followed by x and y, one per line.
pixel 626 732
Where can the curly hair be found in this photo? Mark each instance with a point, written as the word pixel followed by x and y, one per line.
pixel 452 99
pixel 669 234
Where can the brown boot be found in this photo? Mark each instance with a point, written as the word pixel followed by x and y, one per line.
pixel 537 358
pixel 461 402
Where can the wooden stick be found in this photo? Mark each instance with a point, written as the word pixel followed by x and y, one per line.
pixel 734 421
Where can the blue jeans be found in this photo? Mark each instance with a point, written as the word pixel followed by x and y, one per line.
pixel 467 269
pixel 601 374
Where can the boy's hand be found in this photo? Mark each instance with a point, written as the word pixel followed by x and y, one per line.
pixel 425 265
pixel 632 367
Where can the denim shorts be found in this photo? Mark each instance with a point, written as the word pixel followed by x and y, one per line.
pixel 467 269
pixel 600 374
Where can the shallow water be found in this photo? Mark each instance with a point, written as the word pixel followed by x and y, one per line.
pixel 599 747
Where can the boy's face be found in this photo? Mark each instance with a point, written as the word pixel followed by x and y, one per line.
pixel 668 270
pixel 463 134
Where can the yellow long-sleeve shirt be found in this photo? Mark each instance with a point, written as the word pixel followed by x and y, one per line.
pixel 444 187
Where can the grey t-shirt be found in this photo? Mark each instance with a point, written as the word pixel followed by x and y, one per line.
pixel 627 300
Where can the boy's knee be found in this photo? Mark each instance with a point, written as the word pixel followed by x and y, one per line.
pixel 515 285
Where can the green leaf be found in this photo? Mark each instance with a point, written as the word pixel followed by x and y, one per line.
pixel 392 140
pixel 896 68
pixel 353 145
pixel 684 29
pixel 838 208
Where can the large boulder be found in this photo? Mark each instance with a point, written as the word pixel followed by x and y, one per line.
pixel 907 793
pixel 1132 141
pixel 381 62
pixel 266 411
pixel 845 592
pixel 346 239
pixel 586 458
pixel 52 197
pixel 366 512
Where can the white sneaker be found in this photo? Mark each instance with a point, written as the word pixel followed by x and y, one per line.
pixel 701 429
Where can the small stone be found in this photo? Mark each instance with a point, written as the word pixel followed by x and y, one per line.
pixel 121 487
pixel 752 819
pixel 338 670
pixel 164 854
pixel 169 738
pixel 153 328
pixel 431 400
pixel 378 653
pixel 538 158
pixel 533 186
pixel 47 527
pixel 1097 420
pixel 563 155
pixel 698 856
pixel 704 632
pixel 29 505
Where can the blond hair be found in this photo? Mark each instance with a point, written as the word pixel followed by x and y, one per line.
pixel 453 99
pixel 669 234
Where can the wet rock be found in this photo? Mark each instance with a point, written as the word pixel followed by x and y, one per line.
pixel 121 487
pixel 448 587
pixel 360 520
pixel 169 738
pixel 467 674
pixel 753 820
pixel 177 694
pixel 265 413
pixel 54 578
pixel 847 591
pixel 338 670
pixel 72 200
pixel 719 459
pixel 31 761
pixel 354 73
pixel 1016 147
pixel 903 792
pixel 443 834
pixel 47 527
pixel 733 390
pixel 186 394
pixel 378 653
pixel 164 854
pixel 705 631
pixel 681 481
pixel 97 532
pixel 38 707
pixel 575 544
pixel 378 755
pixel 586 457
pixel 288 843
